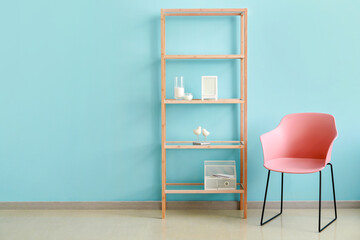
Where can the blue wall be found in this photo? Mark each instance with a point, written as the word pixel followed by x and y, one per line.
pixel 80 94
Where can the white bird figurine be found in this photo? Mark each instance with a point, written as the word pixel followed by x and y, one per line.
pixel 205 133
pixel 197 132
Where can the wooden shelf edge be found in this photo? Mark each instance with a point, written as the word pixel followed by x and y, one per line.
pixel 239 142
pixel 191 191
pixel 204 10
pixel 195 184
pixel 204 146
pixel 209 101
pixel 179 145
pixel 203 191
pixel 185 14
pixel 229 56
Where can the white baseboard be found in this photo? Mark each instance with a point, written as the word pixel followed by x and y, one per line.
pixel 205 205
pixel 305 204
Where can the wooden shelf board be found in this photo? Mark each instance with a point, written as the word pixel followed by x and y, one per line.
pixel 207 101
pixel 205 10
pixel 239 189
pixel 184 184
pixel 213 145
pixel 238 142
pixel 203 147
pixel 203 191
pixel 229 56
pixel 197 189
pixel 204 14
pixel 191 184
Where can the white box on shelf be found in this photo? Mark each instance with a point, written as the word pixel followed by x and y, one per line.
pixel 209 87
pixel 220 175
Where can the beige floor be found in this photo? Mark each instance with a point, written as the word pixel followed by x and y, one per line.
pixel 187 224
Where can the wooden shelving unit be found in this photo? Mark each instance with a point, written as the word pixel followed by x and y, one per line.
pixel 242 143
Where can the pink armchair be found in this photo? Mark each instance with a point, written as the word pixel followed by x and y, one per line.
pixel 302 143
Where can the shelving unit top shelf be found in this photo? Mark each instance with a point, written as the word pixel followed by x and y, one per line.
pixel 205 12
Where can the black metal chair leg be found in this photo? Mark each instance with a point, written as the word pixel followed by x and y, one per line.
pixel 281 206
pixel 333 185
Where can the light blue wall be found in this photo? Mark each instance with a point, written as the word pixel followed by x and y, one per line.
pixel 80 94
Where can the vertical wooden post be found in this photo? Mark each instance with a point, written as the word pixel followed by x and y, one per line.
pixel 245 114
pixel 163 117
pixel 241 107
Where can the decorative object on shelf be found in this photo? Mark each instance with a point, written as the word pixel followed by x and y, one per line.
pixel 209 87
pixel 197 132
pixel 188 96
pixel 179 88
pixel 205 133
pixel 220 175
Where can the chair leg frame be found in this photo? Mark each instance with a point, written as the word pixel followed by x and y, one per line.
pixel 333 187
pixel 282 194
pixel 281 204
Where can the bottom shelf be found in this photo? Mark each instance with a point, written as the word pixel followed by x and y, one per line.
pixel 199 188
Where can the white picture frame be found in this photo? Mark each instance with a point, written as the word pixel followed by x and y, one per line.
pixel 209 87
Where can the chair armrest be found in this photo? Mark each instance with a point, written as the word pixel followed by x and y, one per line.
pixel 273 144
pixel 328 155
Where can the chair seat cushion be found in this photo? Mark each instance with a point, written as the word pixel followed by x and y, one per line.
pixel 295 165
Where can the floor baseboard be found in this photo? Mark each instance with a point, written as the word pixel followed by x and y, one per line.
pixel 305 204
pixel 156 205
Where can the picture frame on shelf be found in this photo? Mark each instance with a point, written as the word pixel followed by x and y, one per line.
pixel 209 87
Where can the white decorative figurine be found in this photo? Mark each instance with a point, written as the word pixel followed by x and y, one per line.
pixel 197 132
pixel 205 133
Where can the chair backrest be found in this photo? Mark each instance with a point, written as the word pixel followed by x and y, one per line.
pixel 306 135
pixel 301 135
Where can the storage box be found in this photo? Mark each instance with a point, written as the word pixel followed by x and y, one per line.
pixel 220 175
